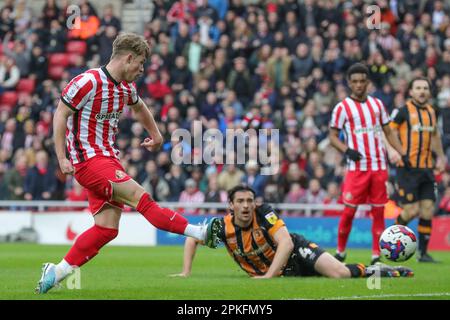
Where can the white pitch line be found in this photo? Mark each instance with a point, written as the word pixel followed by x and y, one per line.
pixel 399 295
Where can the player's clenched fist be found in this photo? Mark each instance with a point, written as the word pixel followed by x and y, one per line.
pixel 152 144
pixel 66 166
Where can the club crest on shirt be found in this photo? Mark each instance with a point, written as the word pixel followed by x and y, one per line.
pixel 348 196
pixel 257 233
pixel 271 217
pixel 120 174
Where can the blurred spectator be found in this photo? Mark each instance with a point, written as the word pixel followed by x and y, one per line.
pixel 253 179
pixel 213 193
pixel 294 195
pixel 175 178
pixel 9 74
pixel 22 16
pixel 56 39
pixel 333 196
pixel 15 178
pixel 221 6
pixel 105 41
pixel 191 194
pixel 155 184
pixel 278 67
pixel 38 64
pixel 109 19
pixel 180 75
pixel 230 177
pixel 50 11
pixel 79 66
pixel 314 194
pixel 40 182
pixel 302 63
pixel 19 53
pixel 240 82
pixel 8 140
pixel 182 11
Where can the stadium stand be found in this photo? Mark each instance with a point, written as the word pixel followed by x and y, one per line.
pixel 230 64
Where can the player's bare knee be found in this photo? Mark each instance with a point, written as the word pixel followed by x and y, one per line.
pixel 426 208
pixel 412 211
pixel 341 272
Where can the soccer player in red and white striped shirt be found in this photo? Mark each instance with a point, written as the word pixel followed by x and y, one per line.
pixel 87 115
pixel 363 119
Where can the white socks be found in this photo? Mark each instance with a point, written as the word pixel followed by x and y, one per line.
pixel 197 232
pixel 63 269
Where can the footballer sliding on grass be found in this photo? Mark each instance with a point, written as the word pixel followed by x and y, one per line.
pixel 260 243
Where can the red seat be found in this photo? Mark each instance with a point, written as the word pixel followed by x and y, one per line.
pixel 55 72
pixel 78 47
pixel 59 59
pixel 26 85
pixel 8 99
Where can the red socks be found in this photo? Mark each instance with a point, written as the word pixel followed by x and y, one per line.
pixel 345 226
pixel 162 218
pixel 377 228
pixel 92 240
pixel 88 244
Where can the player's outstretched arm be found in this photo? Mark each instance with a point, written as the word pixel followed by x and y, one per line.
pixel 190 247
pixel 144 116
pixel 284 249
pixel 62 113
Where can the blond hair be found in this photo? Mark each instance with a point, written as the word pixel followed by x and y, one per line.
pixel 130 42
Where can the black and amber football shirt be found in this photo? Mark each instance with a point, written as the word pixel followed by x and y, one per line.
pixel 416 126
pixel 253 248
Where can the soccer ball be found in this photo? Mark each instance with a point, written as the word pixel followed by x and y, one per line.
pixel 398 243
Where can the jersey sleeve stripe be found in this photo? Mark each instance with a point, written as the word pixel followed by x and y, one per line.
pixel 68 104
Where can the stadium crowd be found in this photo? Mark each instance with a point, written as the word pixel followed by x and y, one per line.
pixel 229 64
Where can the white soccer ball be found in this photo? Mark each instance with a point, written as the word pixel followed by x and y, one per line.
pixel 398 243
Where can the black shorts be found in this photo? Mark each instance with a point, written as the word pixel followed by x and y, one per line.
pixel 413 185
pixel 303 258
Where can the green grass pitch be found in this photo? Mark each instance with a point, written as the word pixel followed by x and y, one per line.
pixel 143 273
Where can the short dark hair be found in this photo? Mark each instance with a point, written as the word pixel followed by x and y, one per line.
pixel 411 83
pixel 239 188
pixel 357 68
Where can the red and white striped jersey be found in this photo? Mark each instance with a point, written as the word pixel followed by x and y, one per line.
pixel 98 101
pixel 362 123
